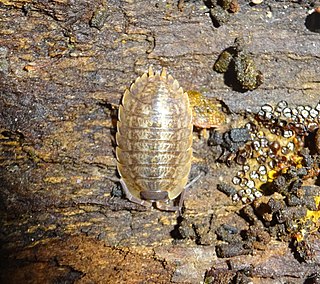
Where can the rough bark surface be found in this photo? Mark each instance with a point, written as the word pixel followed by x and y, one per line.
pixel 62 64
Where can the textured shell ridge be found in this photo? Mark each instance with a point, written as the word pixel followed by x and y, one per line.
pixel 153 157
pixel 175 85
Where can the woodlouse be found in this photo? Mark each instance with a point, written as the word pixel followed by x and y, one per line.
pixel 154 140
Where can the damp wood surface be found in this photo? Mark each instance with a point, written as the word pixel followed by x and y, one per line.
pixel 62 65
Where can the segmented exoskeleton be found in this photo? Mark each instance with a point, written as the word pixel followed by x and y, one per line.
pixel 154 140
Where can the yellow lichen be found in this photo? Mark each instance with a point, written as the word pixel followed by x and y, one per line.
pixel 207 113
pixel 59 179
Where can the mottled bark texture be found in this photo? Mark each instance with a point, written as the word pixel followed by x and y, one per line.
pixel 63 65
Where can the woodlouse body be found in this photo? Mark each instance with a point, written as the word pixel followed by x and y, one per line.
pixel 154 140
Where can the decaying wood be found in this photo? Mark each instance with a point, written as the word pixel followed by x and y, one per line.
pixel 62 65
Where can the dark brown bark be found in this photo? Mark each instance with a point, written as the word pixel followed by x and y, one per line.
pixel 62 64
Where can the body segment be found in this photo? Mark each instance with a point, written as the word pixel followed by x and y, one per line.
pixel 154 139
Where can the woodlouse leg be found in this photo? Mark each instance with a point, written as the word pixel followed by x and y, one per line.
pixel 166 207
pixel 114 179
pixel 133 198
pixel 183 193
pixel 194 180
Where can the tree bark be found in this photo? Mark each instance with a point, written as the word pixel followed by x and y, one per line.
pixel 63 65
